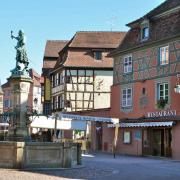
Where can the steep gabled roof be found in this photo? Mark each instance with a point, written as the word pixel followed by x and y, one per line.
pixel 80 49
pixel 97 39
pixel 53 47
pixel 51 54
pixel 35 76
pixel 165 6
pixel 162 28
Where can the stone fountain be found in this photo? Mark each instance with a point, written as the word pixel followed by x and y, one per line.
pixel 18 151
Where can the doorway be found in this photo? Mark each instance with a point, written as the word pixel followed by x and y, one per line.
pixel 98 136
pixel 157 142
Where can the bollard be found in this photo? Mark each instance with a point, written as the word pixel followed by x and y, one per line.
pixel 79 154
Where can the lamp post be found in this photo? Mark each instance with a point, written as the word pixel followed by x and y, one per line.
pixel 55 127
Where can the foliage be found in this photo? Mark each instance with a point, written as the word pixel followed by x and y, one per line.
pixel 161 103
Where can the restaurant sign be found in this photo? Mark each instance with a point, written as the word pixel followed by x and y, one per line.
pixel 164 113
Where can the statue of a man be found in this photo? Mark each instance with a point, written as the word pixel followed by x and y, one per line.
pixel 21 55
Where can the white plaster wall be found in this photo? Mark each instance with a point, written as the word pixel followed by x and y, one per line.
pixel 103 81
pixel 101 100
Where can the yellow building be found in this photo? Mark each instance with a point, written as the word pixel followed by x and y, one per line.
pixel 49 60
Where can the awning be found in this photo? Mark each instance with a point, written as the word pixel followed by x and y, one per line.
pixel 49 123
pixel 144 124
pixel 64 116
pixel 4 124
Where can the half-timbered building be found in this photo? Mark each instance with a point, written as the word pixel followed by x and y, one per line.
pixel 145 92
pixel 83 74
pixel 49 60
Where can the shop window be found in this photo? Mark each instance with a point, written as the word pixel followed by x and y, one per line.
pixel 164 55
pixel 128 64
pixel 98 55
pixel 126 137
pixel 127 97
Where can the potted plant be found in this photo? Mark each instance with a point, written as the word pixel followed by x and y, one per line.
pixel 161 103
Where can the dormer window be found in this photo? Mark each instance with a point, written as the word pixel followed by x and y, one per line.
pixel 98 55
pixel 145 30
pixel 145 33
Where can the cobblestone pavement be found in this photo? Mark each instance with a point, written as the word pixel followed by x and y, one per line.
pixel 104 167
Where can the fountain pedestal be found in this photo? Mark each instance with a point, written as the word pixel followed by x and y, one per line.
pixel 18 129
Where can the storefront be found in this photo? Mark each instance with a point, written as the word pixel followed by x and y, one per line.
pixel 149 138
pixel 154 138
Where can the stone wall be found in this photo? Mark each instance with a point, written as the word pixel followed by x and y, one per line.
pixel 39 155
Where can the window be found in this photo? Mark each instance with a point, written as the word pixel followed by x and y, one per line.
pixel 57 79
pixel 68 79
pixel 61 101
pixel 145 33
pixel 61 78
pixel 52 80
pixel 98 55
pixel 145 30
pixel 68 103
pixel 7 103
pixel 56 102
pixel 127 97
pixel 47 108
pixel 143 91
pixel 164 55
pixel 42 90
pixel 128 64
pixel 163 91
pixel 127 137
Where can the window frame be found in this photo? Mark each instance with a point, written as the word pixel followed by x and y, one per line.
pixel 127 137
pixel 98 57
pixel 126 99
pixel 165 91
pixel 143 33
pixel 163 62
pixel 127 68
pixel 145 25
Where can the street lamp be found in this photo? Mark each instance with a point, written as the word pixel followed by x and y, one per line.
pixel 177 88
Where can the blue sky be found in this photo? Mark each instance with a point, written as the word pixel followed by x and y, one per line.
pixel 43 20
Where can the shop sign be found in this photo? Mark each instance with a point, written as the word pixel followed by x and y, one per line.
pixel 64 116
pixel 165 113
